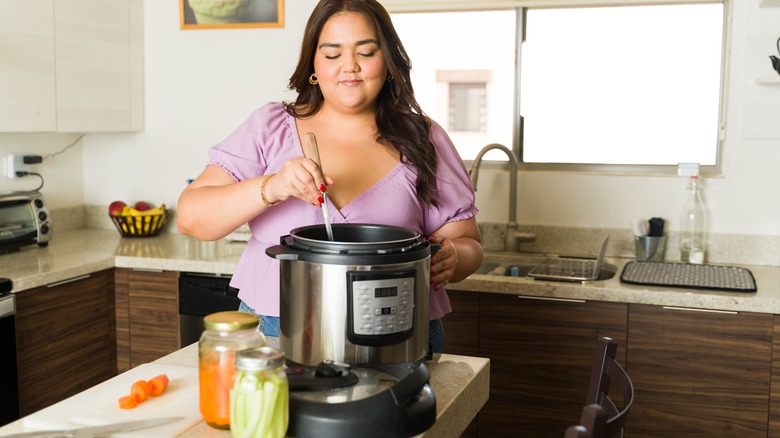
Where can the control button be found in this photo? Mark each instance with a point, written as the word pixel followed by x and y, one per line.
pixel 378 311
pixel 38 203
pixel 44 229
pixel 42 215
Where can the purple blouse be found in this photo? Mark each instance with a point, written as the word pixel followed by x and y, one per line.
pixel 269 138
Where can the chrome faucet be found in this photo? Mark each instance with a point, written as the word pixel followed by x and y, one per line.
pixel 513 236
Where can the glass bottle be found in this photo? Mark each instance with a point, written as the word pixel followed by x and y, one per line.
pixel 693 243
pixel 226 333
pixel 259 400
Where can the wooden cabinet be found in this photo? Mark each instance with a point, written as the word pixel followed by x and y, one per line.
pixel 65 339
pixel 147 316
pixel 698 373
pixel 461 327
pixel 541 353
pixel 71 65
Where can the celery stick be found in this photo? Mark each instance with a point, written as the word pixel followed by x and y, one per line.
pixel 269 395
pixel 253 408
pixel 280 416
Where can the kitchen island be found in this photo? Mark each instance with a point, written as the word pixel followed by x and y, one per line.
pixel 460 384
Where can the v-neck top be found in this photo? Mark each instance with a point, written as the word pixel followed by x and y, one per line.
pixel 268 139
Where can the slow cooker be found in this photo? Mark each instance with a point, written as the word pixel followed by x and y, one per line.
pixel 361 298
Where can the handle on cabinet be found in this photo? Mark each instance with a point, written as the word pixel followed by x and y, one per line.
pixel 565 300
pixel 691 309
pixel 70 280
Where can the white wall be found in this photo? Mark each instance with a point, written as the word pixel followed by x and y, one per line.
pixel 200 84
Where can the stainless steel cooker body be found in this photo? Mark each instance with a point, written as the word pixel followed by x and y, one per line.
pixel 361 299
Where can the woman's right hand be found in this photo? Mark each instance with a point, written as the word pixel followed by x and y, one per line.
pixel 299 178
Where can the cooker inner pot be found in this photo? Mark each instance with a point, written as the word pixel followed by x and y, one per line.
pixel 354 239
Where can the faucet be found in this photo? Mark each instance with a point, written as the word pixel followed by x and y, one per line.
pixel 513 236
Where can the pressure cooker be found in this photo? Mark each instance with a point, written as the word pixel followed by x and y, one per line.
pixel 361 298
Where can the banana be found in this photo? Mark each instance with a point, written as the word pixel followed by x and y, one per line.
pixel 130 211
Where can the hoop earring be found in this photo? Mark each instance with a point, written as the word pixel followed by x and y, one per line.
pixel 313 79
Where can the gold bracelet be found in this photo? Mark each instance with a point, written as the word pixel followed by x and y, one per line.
pixel 262 192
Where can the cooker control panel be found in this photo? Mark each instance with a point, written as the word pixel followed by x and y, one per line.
pixel 381 306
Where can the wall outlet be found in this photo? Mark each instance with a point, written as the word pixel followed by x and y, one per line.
pixel 15 163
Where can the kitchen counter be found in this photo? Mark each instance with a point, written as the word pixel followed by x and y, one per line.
pixel 461 385
pixel 74 253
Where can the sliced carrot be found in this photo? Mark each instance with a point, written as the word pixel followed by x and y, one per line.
pixel 128 402
pixel 158 383
pixel 141 390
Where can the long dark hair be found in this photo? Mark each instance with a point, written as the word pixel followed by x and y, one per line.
pixel 401 123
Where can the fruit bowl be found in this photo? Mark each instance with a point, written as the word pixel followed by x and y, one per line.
pixel 135 223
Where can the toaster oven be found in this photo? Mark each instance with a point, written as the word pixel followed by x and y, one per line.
pixel 24 220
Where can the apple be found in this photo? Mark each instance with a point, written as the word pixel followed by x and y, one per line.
pixel 143 206
pixel 115 208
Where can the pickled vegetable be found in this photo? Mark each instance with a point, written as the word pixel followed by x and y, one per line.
pixel 216 378
pixel 259 404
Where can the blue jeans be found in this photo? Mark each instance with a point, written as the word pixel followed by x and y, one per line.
pixel 269 325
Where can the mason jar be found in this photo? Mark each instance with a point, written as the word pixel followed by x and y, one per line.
pixel 226 333
pixel 259 400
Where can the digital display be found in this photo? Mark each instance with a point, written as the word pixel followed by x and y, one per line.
pixel 382 292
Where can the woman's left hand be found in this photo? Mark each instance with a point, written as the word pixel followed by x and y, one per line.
pixel 443 262
pixel 460 253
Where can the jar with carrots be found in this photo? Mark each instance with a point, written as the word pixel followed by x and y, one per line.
pixel 226 333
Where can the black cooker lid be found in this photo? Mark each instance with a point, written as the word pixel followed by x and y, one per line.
pixel 354 239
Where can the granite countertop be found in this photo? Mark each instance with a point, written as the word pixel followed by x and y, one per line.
pixel 75 253
pixel 461 385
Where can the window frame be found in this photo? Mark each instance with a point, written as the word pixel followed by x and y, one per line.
pixel 521 7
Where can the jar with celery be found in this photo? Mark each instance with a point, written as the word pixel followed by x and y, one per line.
pixel 259 399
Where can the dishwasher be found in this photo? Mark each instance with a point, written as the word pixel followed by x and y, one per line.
pixel 9 396
pixel 201 295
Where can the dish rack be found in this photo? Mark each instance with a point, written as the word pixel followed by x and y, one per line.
pixel 141 225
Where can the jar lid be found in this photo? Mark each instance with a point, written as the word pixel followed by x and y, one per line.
pixel 231 320
pixel 257 359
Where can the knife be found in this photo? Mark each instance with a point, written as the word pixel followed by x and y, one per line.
pixel 313 153
pixel 96 431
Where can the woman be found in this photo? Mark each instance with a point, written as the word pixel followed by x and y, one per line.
pixel 385 162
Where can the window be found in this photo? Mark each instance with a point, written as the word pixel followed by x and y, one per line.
pixel 601 88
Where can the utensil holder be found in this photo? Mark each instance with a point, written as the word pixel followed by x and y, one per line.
pixel 649 248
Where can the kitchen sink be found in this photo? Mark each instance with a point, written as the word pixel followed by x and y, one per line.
pixel 506 267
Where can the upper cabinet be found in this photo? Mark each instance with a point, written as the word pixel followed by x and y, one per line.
pixel 71 66
pixel 770 4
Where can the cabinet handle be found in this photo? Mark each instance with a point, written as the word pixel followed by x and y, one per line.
pixel 691 309
pixel 565 300
pixel 147 270
pixel 70 280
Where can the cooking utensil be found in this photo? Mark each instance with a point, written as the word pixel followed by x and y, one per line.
pixel 97 431
pixel 313 153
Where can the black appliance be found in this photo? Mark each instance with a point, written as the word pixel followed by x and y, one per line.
pixel 201 295
pixel 9 395
pixel 334 400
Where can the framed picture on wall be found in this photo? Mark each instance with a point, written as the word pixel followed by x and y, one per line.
pixel 224 14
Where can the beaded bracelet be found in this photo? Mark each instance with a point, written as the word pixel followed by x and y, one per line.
pixel 262 192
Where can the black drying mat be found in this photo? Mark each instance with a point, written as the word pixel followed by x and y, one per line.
pixel 729 278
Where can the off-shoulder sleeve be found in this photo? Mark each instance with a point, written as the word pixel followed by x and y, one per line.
pixel 250 149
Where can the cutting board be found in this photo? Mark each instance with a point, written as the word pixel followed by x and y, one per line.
pixel 98 405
